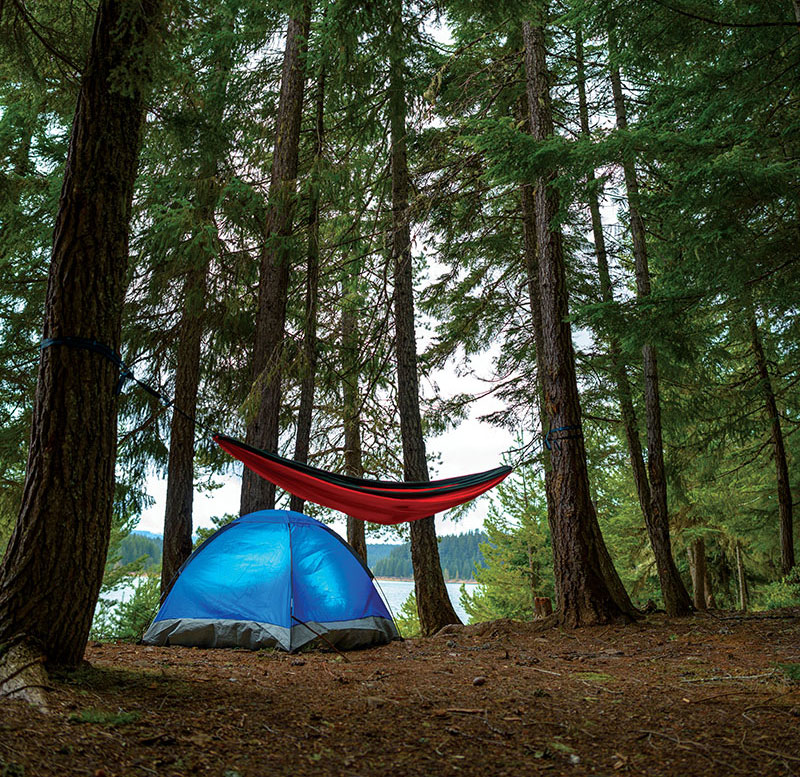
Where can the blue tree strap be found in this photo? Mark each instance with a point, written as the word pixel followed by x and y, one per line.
pixel 125 372
pixel 87 345
pixel 84 343
pixel 549 440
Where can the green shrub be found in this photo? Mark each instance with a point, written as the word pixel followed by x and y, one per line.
pixel 407 619
pixel 127 620
pixel 134 615
pixel 784 593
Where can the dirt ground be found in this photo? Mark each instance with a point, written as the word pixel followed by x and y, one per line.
pixel 713 694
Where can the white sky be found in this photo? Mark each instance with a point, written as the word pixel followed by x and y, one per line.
pixel 473 446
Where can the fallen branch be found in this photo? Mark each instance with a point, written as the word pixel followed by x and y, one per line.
pixel 729 677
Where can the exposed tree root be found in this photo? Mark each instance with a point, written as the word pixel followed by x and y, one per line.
pixel 23 676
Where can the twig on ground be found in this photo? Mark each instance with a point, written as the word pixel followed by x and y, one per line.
pixel 780 755
pixel 544 671
pixel 729 677
pixel 700 748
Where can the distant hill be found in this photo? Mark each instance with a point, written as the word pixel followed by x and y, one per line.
pixel 151 535
pixel 141 543
pixel 459 555
pixel 377 552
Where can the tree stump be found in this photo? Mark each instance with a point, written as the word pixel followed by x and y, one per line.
pixel 542 607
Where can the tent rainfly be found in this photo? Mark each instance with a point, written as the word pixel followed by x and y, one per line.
pixel 273 578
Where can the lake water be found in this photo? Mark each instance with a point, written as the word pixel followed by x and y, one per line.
pixel 395 592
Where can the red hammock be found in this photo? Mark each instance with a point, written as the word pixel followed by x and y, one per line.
pixel 378 501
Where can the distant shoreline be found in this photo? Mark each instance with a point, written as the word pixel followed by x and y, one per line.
pixel 411 580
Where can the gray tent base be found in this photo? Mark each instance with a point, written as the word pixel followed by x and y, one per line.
pixel 199 632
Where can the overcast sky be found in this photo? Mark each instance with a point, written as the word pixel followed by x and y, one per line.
pixel 471 447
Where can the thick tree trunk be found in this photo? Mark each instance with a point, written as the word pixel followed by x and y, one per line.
pixel 676 597
pixel 583 595
pixel 54 562
pixel 309 367
pixel 351 349
pixel 531 255
pixel 619 594
pixel 180 471
pixel 784 492
pixel 433 603
pixel 263 428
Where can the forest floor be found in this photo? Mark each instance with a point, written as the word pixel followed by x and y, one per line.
pixel 712 694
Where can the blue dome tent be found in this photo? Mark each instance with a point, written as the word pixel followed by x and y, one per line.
pixel 274 578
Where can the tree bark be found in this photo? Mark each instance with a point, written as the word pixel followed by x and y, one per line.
pixel 583 595
pixel 309 366
pixel 619 594
pixel 433 603
pixel 351 404
pixel 177 546
pixel 204 246
pixel 53 566
pixel 263 429
pixel 618 371
pixel 741 579
pixel 784 492
pixel 697 566
pixel 676 597
pixel 353 462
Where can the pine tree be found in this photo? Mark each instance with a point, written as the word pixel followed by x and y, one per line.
pixel 263 426
pixel 583 594
pixel 53 567
pixel 433 604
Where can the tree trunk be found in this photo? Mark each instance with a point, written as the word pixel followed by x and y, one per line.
pixel 619 373
pixel 711 603
pixel 204 246
pixel 676 597
pixel 433 603
pixel 351 349
pixel 309 367
pixel 697 566
pixel 583 595
pixel 263 429
pixel 531 254
pixel 618 592
pixel 177 545
pixel 740 577
pixel 786 528
pixel 53 566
